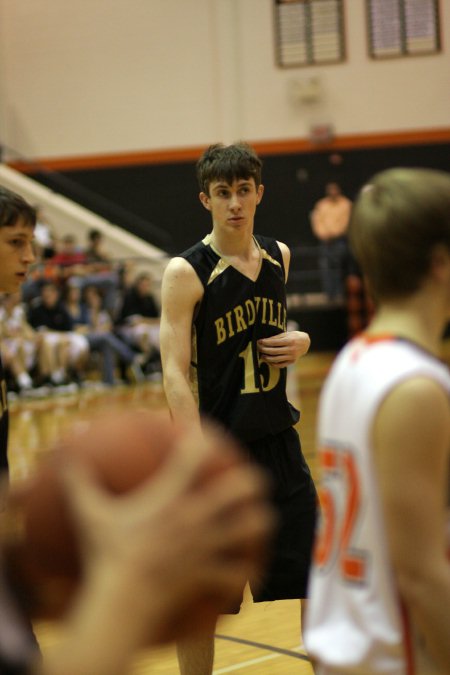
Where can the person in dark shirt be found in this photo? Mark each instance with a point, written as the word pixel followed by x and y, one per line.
pixel 138 318
pixel 94 322
pixel 70 349
pixel 94 253
pixel 49 312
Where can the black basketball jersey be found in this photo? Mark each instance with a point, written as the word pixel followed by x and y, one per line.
pixel 232 384
pixel 4 421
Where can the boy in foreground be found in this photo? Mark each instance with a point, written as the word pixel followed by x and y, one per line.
pixel 380 585
pixel 145 554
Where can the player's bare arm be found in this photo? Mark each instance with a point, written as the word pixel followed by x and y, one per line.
pixel 284 349
pixel 412 440
pixel 181 291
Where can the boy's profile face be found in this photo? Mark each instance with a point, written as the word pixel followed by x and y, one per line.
pixel 232 205
pixel 16 255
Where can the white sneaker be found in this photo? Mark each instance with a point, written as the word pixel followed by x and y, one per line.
pixel 24 381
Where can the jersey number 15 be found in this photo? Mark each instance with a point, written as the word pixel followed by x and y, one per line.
pixel 255 379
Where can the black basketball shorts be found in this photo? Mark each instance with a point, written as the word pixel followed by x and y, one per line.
pixel 295 500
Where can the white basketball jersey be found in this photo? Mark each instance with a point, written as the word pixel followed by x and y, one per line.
pixel 355 621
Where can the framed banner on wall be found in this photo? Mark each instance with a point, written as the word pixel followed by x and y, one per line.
pixel 403 27
pixel 309 32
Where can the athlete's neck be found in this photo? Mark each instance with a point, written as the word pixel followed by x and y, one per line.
pixel 243 247
pixel 403 321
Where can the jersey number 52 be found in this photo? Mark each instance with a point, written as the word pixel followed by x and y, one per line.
pixel 339 496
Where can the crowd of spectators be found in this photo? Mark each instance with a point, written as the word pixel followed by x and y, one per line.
pixel 81 318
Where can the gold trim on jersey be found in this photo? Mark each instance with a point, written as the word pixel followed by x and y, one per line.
pixel 222 265
pixel 268 257
pixel 193 370
pixel 3 398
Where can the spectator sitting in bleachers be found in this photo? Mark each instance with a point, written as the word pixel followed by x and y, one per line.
pixel 138 319
pixel 91 320
pixel 95 253
pixel 28 359
pixel 104 273
pixel 68 261
pixel 41 272
pixel 44 236
pixel 19 342
pixel 69 258
pixel 78 267
pixel 70 349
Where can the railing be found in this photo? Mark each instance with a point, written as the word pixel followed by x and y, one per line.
pixel 91 200
pixel 304 273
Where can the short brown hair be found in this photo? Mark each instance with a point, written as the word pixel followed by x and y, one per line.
pixel 229 163
pixel 13 207
pixel 397 220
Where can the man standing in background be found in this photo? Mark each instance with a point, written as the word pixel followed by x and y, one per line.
pixel 329 221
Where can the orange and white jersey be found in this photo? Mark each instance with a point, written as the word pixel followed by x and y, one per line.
pixel 355 621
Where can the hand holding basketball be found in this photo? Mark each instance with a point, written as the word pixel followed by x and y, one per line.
pixel 175 513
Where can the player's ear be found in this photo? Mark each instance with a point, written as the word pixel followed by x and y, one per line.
pixel 440 263
pixel 259 193
pixel 204 198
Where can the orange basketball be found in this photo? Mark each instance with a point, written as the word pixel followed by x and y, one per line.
pixel 121 450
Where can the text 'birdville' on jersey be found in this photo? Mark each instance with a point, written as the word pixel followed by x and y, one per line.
pixel 241 317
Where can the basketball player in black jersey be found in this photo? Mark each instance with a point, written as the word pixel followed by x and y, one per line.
pixel 225 348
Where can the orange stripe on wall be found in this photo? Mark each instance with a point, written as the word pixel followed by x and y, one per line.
pixel 290 146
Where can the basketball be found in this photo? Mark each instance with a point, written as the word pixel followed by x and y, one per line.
pixel 121 451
